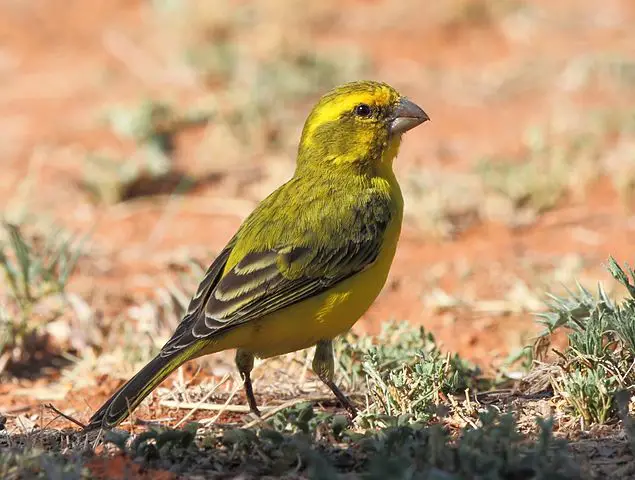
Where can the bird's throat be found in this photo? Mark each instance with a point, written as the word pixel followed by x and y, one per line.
pixel 391 151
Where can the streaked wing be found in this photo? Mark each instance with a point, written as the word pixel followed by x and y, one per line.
pixel 264 282
pixel 267 281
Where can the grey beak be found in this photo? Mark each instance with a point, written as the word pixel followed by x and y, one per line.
pixel 406 115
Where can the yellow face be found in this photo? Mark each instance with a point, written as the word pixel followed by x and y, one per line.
pixel 355 123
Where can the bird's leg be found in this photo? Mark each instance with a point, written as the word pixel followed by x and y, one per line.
pixel 324 366
pixel 245 364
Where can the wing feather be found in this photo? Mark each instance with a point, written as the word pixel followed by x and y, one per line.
pixel 277 291
pixel 180 339
pixel 265 281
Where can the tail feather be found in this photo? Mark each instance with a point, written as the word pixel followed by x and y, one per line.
pixel 132 393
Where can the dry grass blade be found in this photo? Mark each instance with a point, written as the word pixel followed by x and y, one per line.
pixel 198 405
pixel 50 406
pixel 226 405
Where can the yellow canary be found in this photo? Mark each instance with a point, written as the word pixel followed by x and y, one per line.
pixel 309 260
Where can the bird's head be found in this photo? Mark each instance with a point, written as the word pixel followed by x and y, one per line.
pixel 357 123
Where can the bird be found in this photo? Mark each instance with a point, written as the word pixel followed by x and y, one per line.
pixel 311 258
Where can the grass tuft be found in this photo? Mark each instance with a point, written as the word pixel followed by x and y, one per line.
pixel 36 267
pixel 153 127
pixel 38 464
pixel 597 361
pixel 495 449
pixel 404 372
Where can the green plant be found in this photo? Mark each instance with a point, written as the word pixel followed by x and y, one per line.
pixel 155 442
pixel 590 392
pixel 35 267
pixel 597 361
pixel 153 126
pixel 495 449
pixel 35 463
pixel 403 371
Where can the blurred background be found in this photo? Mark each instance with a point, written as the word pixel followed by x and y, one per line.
pixel 136 135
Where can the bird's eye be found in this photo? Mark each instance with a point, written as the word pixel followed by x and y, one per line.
pixel 362 110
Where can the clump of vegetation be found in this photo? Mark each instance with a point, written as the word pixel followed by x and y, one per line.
pixel 153 127
pixel 35 267
pixel 534 186
pixel 496 449
pixel 156 442
pixel 403 371
pixel 35 463
pixel 325 449
pixel 542 177
pixel 597 361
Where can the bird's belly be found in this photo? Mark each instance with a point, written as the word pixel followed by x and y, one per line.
pixel 318 318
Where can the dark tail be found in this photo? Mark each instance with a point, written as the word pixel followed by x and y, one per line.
pixel 128 397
